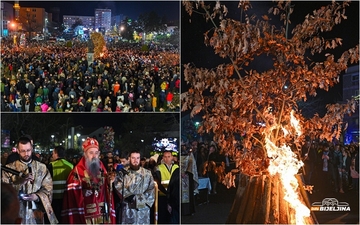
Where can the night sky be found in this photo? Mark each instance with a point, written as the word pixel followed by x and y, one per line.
pixel 194 51
pixel 85 123
pixel 192 37
pixel 115 120
pixel 132 9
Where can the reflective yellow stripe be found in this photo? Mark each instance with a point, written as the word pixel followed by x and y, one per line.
pixel 165 182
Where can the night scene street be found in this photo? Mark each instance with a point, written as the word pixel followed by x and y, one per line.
pixel 179 112
pixel 90 56
pixel 128 130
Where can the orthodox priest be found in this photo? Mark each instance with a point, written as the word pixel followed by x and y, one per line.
pixel 33 183
pixel 136 188
pixel 88 198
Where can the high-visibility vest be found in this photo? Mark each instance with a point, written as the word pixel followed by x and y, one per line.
pixel 166 175
pixel 61 169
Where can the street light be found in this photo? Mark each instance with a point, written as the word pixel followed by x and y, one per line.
pixel 52 140
pixel 142 141
pixel 122 28
pixel 45 30
pixel 14 25
pixel 69 141
pixel 77 140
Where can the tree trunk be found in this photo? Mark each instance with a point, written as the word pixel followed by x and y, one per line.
pixel 260 200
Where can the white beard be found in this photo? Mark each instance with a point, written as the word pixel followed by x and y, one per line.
pixel 93 166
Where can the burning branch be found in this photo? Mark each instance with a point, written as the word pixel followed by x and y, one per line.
pixel 239 105
pixel 99 43
pixel 256 105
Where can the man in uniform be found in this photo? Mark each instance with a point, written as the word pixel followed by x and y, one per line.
pixel 163 176
pixel 35 188
pixel 136 188
pixel 87 198
pixel 59 169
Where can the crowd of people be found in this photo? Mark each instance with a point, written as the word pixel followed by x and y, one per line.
pixel 76 190
pixel 335 163
pixel 328 167
pixel 52 77
pixel 331 167
pixel 98 188
pixel 201 160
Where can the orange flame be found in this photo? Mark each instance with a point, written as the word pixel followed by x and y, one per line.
pixel 285 163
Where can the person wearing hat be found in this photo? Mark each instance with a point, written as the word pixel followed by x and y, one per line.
pixel 87 198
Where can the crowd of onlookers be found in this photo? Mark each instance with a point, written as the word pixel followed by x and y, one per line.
pixel 109 159
pixel 330 167
pixel 208 160
pixel 52 77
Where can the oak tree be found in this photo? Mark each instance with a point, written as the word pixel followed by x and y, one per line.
pixel 260 106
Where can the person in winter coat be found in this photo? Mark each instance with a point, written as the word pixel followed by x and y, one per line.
pixel 153 102
pixel 169 97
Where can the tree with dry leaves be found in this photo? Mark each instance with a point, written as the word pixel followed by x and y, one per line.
pixel 261 106
pixel 99 44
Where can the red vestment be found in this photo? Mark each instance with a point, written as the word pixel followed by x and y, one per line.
pixel 85 195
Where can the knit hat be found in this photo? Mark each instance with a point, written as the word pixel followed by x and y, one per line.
pixel 155 157
pixel 90 143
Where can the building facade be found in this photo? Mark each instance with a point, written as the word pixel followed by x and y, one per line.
pixel 6 17
pixel 351 90
pixel 103 19
pixel 117 20
pixel 87 21
pixel 33 20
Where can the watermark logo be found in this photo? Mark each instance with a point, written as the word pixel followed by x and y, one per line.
pixel 330 204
